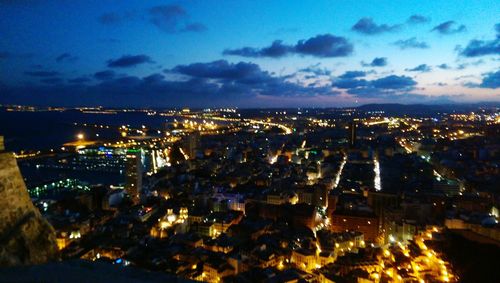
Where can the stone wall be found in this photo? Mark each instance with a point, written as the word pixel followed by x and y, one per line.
pixel 25 236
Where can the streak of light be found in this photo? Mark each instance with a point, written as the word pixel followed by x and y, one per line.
pixel 339 173
pixel 376 168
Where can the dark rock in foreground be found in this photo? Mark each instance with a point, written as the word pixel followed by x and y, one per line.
pixel 25 236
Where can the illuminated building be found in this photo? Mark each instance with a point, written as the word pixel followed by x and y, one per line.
pixel 133 178
pixel 222 244
pixel 326 257
pixel 316 195
pixel 192 144
pixel 276 198
pixel 340 243
pixel 169 220
pixel 304 259
pixel 112 253
pixel 366 223
pixel 352 133
pixel 214 271
pixel 366 260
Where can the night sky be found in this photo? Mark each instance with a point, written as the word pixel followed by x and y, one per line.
pixel 248 53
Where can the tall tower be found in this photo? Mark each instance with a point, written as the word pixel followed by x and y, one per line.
pixel 133 171
pixel 352 133
pixel 192 144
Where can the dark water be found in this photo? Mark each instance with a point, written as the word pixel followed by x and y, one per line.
pixel 50 130
pixel 34 176
pixel 46 130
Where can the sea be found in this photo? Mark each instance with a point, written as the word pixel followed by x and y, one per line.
pixel 45 130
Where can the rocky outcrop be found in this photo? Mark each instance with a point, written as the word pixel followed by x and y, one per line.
pixel 25 236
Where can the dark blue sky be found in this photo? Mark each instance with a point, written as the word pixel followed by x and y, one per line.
pixel 248 53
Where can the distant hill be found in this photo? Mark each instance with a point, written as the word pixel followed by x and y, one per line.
pixel 401 109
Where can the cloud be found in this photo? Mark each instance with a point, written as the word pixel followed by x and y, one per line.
pixel 129 61
pixel 154 78
pixel 394 82
pixel 376 62
pixel 349 83
pixel 246 78
pixel 369 27
pixel 444 66
pixel 449 27
pixel 388 87
pixel 168 18
pixel 217 83
pixel 42 74
pixel 322 46
pixel 172 19
pixel 418 19
pixel 222 69
pixel 316 70
pixel 476 48
pixel 275 50
pixel 463 77
pixel 410 43
pixel 470 84
pixel 491 80
pixel 104 75
pixel 420 68
pixel 66 57
pixel 352 74
pixel 467 64
pixel 325 45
